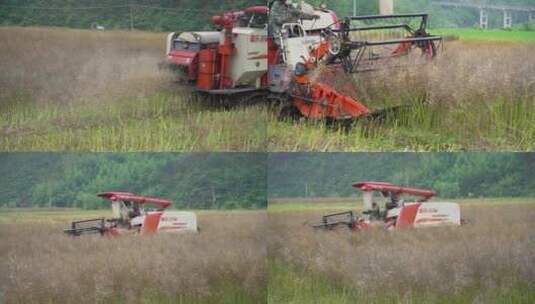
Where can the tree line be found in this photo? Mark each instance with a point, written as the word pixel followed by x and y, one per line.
pixel 247 180
pixel 440 18
pixel 195 181
pixel 163 15
pixel 452 175
pixel 185 15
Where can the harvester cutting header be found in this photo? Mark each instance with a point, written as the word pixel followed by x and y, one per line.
pixel 288 57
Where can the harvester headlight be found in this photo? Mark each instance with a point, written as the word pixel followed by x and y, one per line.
pixel 335 45
pixel 300 69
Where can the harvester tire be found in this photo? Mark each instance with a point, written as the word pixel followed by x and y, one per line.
pixel 290 113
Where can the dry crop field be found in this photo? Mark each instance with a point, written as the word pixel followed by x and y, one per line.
pixel 66 89
pixel 224 263
pixel 473 96
pixel 490 260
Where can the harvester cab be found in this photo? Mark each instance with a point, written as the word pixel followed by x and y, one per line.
pixel 135 214
pixel 394 206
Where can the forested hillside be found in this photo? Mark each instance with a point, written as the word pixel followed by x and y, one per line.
pixel 190 180
pixel 163 15
pixel 182 15
pixel 451 175
pixel 451 17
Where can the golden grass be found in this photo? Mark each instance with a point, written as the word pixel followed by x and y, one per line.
pixel 39 264
pixel 79 90
pixel 67 65
pixel 493 252
pixel 478 97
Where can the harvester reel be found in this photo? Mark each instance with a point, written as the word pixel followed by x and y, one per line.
pixel 428 47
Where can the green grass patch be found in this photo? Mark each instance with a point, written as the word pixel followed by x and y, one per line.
pixel 288 284
pixel 224 293
pixel 334 204
pixel 497 35
pixel 292 207
pixel 165 121
pixel 473 125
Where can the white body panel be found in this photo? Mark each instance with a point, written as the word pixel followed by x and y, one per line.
pixel 367 197
pixel 200 37
pixel 438 214
pixel 249 62
pixel 137 221
pixel 116 209
pixel 325 20
pixel 178 221
pixel 393 213
pixel 297 49
pixel 169 42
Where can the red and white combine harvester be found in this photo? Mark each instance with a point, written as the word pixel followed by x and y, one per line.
pixel 240 63
pixel 132 215
pixel 395 211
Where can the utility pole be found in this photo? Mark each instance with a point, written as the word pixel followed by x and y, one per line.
pixel 354 7
pixel 131 16
pixel 483 18
pixel 507 19
pixel 386 7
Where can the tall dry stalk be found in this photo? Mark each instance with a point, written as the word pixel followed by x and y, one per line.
pixel 496 250
pixel 66 65
pixel 40 265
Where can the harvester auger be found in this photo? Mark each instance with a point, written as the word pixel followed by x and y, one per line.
pixel 130 216
pixel 394 212
pixel 239 63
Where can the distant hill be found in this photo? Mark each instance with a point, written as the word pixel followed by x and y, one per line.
pixel 165 15
pixel 451 175
pixel 171 15
pixel 198 180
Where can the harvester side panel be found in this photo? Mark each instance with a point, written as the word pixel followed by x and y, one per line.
pixel 250 60
pixel 151 223
pixel 438 214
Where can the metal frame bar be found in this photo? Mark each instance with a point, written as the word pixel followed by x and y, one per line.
pixel 350 62
pixel 76 231
pixel 378 27
pixel 393 16
pixel 326 224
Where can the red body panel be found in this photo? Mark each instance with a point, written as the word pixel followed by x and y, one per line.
pixel 387 187
pixel 323 100
pixel 112 232
pixel 329 103
pixel 257 9
pixel 186 59
pixel 129 197
pixel 207 69
pixel 151 223
pixel 226 50
pixel 407 215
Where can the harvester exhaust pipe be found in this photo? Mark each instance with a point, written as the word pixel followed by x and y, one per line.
pixel 386 7
pixel 226 49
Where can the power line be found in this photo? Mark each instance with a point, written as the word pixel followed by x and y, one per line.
pixel 62 8
pixel 109 7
